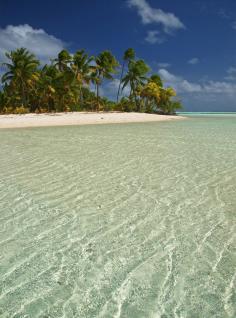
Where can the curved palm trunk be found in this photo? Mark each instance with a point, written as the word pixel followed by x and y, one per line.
pixel 23 95
pixel 80 95
pixel 136 102
pixel 121 76
pixel 80 99
pixel 97 97
pixel 132 91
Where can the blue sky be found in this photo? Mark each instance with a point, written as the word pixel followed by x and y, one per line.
pixel 191 44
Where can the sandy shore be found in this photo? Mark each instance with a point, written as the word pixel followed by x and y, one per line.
pixel 75 118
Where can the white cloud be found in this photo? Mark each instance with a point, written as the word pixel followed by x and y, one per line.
pixel 42 44
pixel 223 14
pixel 231 70
pixel 228 16
pixel 152 15
pixel 234 25
pixel 153 37
pixel 184 86
pixel 163 65
pixel 167 76
pixel 194 61
pixel 220 88
pixel 180 84
pixel 230 78
pixel 231 74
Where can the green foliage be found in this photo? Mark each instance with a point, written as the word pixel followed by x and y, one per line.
pixel 156 79
pixel 106 64
pixel 21 110
pixel 3 101
pixel 20 76
pixel 65 84
pixel 62 60
pixel 135 77
pixel 126 105
pixel 171 107
pixel 129 55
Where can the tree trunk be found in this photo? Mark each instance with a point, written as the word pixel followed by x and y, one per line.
pixel 132 92
pixel 97 97
pixel 23 93
pixel 80 95
pixel 136 102
pixel 121 76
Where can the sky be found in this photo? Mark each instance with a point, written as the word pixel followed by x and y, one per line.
pixel 191 44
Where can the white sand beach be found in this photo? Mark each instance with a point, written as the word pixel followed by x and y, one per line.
pixel 78 118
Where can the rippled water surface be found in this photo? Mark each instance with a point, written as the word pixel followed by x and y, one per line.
pixel 126 220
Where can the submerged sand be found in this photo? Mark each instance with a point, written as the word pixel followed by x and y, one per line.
pixel 78 118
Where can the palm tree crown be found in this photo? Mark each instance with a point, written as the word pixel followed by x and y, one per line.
pixel 106 65
pixel 21 70
pixel 129 55
pixel 62 60
pixel 135 77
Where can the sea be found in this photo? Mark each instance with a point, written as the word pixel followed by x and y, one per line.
pixel 119 220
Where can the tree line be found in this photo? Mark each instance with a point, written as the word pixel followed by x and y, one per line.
pixel 73 83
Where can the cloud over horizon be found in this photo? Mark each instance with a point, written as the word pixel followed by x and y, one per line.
pixel 231 74
pixel 186 87
pixel 39 42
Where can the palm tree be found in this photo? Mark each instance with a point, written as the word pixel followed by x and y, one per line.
pixel 4 98
pixel 64 85
pixel 106 65
pixel 151 93
pixel 165 98
pixel 81 65
pixel 46 91
pixel 62 60
pixel 21 70
pixel 128 56
pixel 155 78
pixel 135 77
pixel 67 89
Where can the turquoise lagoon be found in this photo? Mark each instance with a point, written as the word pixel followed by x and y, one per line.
pixel 125 220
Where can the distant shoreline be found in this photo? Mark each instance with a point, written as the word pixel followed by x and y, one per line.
pixel 79 118
pixel 205 113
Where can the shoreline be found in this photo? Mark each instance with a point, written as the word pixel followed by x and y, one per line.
pixel 79 118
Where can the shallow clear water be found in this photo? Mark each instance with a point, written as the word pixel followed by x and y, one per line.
pixel 129 220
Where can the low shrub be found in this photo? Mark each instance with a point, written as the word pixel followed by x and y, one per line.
pixel 21 110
